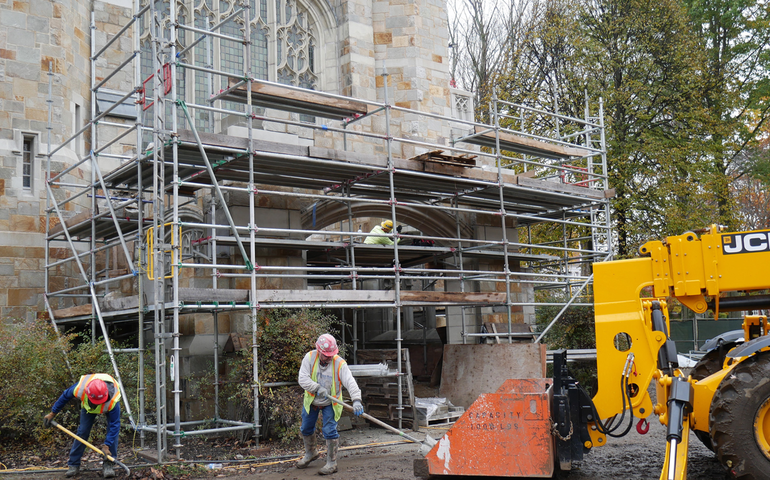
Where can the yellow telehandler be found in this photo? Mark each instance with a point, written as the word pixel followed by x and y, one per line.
pixel 533 427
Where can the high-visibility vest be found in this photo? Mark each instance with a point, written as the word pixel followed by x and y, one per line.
pixel 336 392
pixel 80 393
pixel 378 240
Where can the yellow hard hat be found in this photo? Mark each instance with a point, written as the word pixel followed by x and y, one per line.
pixel 387 225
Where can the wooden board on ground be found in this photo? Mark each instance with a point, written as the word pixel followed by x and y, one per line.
pixel 470 370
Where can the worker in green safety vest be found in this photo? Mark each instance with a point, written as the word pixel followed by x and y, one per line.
pixel 321 374
pixel 383 229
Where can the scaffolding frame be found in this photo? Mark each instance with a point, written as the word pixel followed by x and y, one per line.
pixel 558 178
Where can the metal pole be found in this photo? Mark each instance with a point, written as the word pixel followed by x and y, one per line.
pixel 158 183
pixel 564 309
pixel 176 242
pixel 503 217
pixel 396 263
pixel 139 249
pixel 252 222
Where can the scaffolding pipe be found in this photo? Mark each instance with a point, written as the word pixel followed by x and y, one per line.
pixel 176 247
pixel 396 263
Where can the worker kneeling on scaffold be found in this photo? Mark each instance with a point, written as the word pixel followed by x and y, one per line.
pixel 324 373
pixel 382 229
pixel 98 393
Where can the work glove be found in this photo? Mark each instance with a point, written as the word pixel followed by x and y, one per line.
pixel 47 419
pixel 398 228
pixel 358 408
pixel 106 449
pixel 321 393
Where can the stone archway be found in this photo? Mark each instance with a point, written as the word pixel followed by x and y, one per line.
pixel 432 223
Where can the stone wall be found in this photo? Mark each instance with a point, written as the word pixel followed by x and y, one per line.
pixel 33 36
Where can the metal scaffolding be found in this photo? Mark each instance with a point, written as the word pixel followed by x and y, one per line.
pixel 168 208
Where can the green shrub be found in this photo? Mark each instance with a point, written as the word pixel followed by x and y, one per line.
pixel 34 373
pixel 284 337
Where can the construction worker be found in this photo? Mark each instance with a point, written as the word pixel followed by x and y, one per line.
pixel 384 228
pixel 321 374
pixel 98 393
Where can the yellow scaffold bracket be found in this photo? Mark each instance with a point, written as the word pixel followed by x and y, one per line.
pixel 151 256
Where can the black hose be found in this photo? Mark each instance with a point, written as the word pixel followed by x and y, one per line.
pixel 608 429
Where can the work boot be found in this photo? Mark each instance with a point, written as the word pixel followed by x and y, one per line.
pixel 332 446
pixel 311 452
pixel 72 471
pixel 108 469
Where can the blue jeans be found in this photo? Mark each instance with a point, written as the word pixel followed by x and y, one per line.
pixel 329 424
pixel 84 430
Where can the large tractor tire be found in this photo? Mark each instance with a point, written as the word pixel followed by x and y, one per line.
pixel 740 419
pixel 709 364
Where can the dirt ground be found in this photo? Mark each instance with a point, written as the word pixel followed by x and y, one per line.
pixel 368 453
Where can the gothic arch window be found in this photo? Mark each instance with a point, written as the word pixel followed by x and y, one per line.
pixel 285 35
pixel 296 44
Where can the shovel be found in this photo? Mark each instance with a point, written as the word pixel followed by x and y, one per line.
pixel 108 457
pixel 426 445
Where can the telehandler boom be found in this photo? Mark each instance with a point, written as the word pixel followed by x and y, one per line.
pixel 531 427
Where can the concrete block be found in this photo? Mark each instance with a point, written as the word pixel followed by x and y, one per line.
pixel 13 19
pixel 43 8
pixel 344 424
pixel 31 279
pixel 202 345
pixel 198 363
pixel 28 71
pixel 8 281
pixel 187 325
pixel 28 208
pixel 23 296
pixel 26 264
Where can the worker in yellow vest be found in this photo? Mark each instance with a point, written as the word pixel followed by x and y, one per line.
pixel 321 374
pixel 97 393
pixel 383 229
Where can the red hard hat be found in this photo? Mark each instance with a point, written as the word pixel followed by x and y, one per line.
pixel 327 345
pixel 97 391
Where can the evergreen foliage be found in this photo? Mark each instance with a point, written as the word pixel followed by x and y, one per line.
pixel 34 373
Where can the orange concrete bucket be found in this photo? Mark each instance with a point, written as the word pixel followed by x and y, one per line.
pixel 503 434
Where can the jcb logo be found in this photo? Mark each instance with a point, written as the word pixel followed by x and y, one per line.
pixel 746 242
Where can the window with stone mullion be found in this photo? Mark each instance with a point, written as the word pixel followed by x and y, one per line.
pixel 284 39
pixel 296 44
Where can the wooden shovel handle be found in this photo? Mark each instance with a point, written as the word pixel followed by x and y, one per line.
pixel 87 444
pixel 374 420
